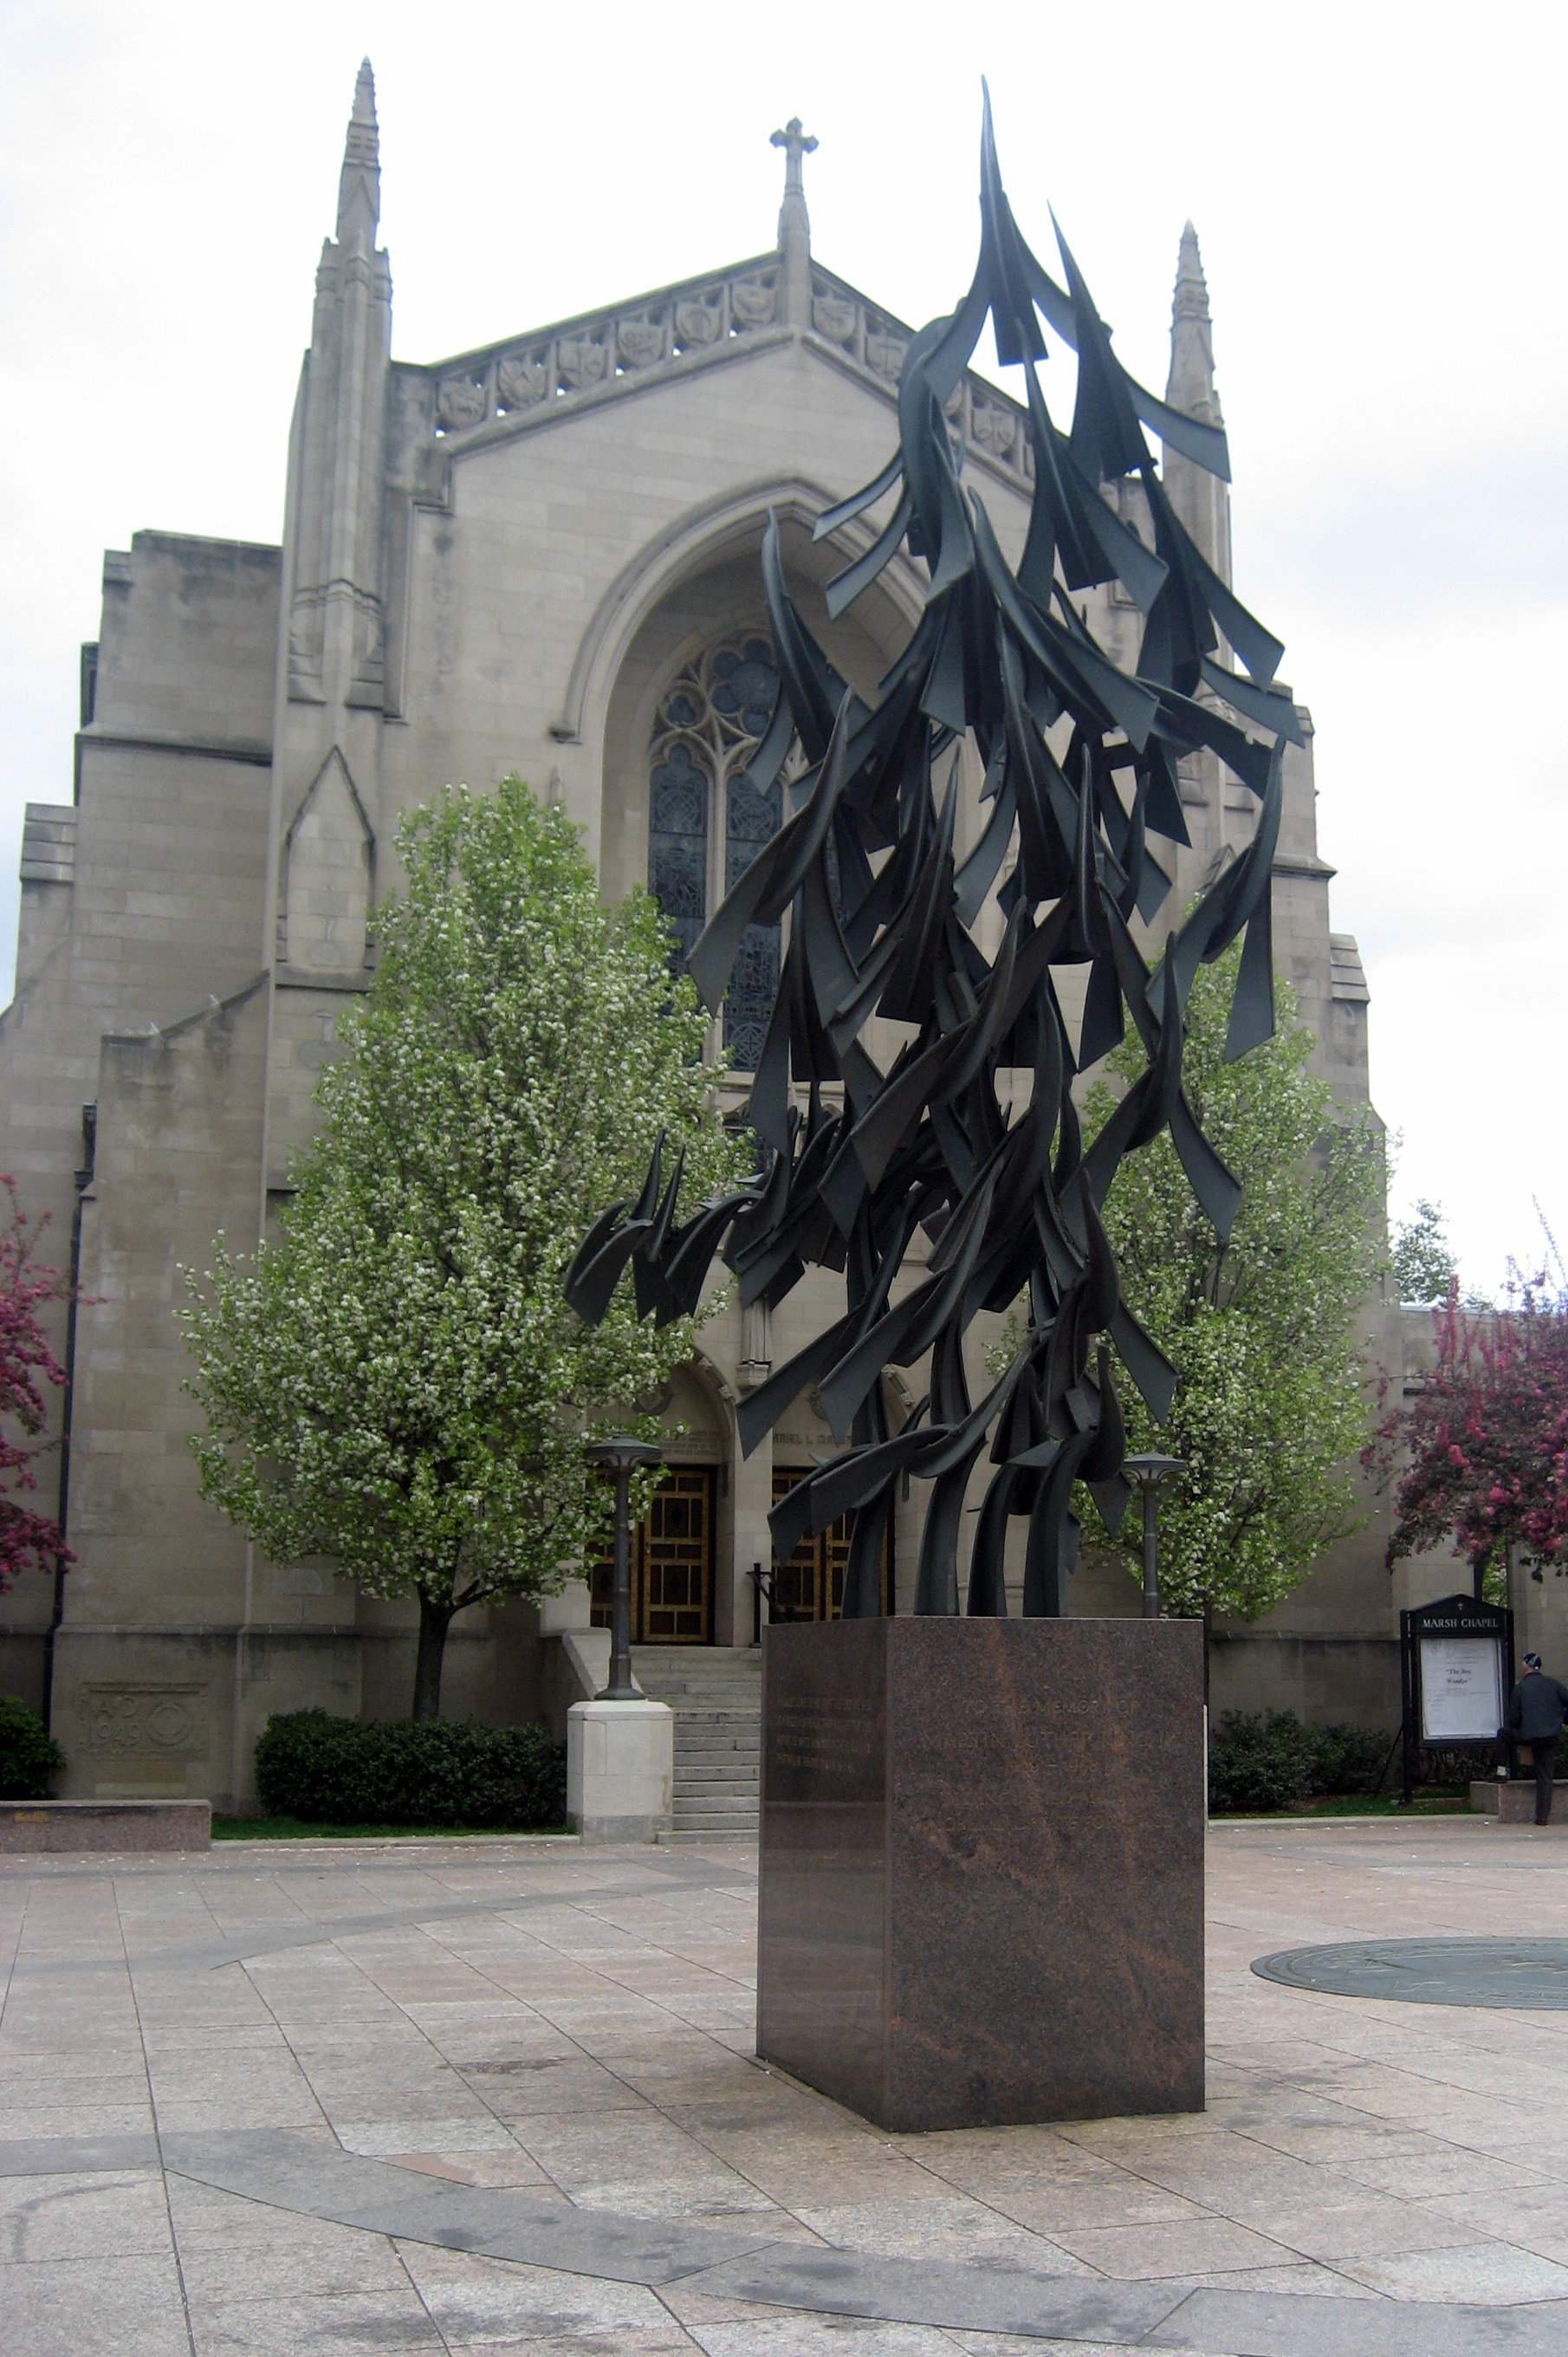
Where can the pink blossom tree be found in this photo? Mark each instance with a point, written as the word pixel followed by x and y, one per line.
pixel 26 1363
pixel 1488 1435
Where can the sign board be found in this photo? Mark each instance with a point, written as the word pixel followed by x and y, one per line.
pixel 1455 1668
pixel 1461 1689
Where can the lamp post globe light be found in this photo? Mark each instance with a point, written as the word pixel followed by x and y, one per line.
pixel 1149 1470
pixel 622 1453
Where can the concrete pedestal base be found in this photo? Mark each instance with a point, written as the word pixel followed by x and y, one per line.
pixel 982 1868
pixel 620 1769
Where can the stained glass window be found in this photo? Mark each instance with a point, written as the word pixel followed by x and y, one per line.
pixel 709 725
pixel 678 840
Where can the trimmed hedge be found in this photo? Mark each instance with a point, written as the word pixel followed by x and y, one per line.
pixel 435 1771
pixel 1256 1764
pixel 29 1755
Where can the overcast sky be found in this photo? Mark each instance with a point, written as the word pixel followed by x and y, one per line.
pixel 1378 191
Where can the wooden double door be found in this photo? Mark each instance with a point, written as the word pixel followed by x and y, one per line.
pixel 810 1587
pixel 672 1565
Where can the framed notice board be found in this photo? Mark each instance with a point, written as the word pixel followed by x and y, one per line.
pixel 1455 1677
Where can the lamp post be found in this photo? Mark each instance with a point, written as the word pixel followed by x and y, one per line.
pixel 1149 1471
pixel 622 1454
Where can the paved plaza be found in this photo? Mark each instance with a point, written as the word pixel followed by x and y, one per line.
pixel 464 2096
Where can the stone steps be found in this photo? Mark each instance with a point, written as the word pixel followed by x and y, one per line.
pixel 716 1697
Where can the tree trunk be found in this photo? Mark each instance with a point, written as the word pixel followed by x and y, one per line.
pixel 434 1620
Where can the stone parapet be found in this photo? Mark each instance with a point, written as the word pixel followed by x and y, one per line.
pixel 702 320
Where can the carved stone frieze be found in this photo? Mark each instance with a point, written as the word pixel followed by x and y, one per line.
pixel 700 322
pixel 885 355
pixel 461 402
pixel 167 1721
pixel 835 321
pixel 641 342
pixel 752 302
pixel 521 382
pixel 688 322
pixel 994 428
pixel 582 360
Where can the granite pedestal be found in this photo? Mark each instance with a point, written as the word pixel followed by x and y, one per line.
pixel 982 1868
pixel 44 1826
pixel 1512 1799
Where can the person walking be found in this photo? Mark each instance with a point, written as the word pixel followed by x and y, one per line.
pixel 1536 1712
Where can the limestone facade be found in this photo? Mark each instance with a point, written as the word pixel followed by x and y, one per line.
pixel 509 559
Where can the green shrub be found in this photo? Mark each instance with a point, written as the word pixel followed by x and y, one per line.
pixel 29 1755
pixel 1347 1758
pixel 1256 1764
pixel 434 1772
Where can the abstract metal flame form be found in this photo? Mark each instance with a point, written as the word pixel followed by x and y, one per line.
pixel 1005 658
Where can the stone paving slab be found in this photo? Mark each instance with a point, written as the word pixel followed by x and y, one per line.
pixel 453 2096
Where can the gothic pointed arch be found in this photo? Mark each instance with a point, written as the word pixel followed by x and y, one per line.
pixel 326 877
pixel 726 530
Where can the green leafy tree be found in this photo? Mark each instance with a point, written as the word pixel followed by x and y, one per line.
pixel 1421 1258
pixel 1269 1409
pixel 397 1383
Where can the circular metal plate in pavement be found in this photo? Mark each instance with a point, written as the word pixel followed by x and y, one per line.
pixel 1532 1974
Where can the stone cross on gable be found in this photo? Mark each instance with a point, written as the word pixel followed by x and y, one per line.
pixel 798 142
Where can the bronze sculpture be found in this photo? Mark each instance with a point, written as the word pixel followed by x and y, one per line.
pixel 1004 658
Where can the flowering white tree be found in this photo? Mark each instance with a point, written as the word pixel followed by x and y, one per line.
pixel 1271 1403
pixel 397 1383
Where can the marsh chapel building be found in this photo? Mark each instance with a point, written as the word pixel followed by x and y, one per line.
pixel 539 556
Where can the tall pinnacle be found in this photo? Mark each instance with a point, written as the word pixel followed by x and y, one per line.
pixel 1201 499
pixel 1190 385
pixel 360 184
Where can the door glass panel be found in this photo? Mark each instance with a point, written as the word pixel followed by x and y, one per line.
pixel 797 1584
pixel 671 1566
pixel 810 1587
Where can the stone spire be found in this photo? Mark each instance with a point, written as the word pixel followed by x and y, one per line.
pixel 334 535
pixel 333 696
pixel 795 225
pixel 1190 385
pixel 360 183
pixel 1201 499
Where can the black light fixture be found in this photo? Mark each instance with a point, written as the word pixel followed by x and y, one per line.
pixel 622 1454
pixel 1149 1470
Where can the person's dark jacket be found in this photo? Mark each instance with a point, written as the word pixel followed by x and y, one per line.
pixel 1537 1708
